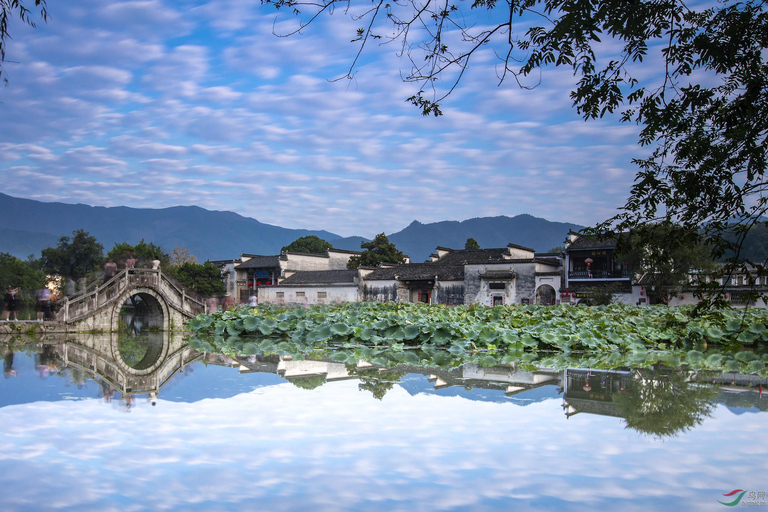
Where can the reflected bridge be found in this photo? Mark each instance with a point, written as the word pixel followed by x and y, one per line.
pixel 166 304
pixel 126 364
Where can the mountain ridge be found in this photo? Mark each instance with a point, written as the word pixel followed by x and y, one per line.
pixel 28 226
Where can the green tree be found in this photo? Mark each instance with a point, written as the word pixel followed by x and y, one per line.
pixel 17 273
pixel 10 9
pixel 143 252
pixel 471 244
pixel 308 244
pixel 205 279
pixel 73 258
pixel 663 403
pixel 665 256
pixel 694 77
pixel 377 251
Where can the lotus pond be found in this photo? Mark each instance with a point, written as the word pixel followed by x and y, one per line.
pixel 298 409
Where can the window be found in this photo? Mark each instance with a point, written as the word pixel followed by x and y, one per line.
pixel 300 295
pixel 497 286
pixel 322 295
pixel 279 295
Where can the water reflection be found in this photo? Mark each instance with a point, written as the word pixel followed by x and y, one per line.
pixel 657 401
pixel 286 433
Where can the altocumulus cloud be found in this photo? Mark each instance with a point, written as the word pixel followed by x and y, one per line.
pixel 109 91
pixel 336 448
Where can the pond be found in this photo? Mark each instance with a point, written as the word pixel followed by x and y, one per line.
pixel 104 422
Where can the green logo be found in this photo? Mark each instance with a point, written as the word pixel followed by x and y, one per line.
pixel 736 501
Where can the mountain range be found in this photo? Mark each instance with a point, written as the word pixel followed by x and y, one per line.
pixel 28 226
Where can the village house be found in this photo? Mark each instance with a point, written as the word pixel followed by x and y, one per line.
pixel 244 277
pixel 593 268
pixel 509 275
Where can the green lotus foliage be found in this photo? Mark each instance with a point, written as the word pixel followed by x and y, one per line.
pixel 563 336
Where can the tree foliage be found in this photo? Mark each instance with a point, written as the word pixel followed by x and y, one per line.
pixel 665 256
pixel 377 251
pixel 205 279
pixel 74 257
pixel 663 403
pixel 471 244
pixel 181 255
pixel 16 8
pixel 308 244
pixel 143 252
pixel 694 77
pixel 19 274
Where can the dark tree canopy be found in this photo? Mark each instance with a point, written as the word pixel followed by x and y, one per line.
pixel 143 252
pixel 73 258
pixel 471 244
pixel 205 279
pixel 666 255
pixel 10 9
pixel 22 274
pixel 693 77
pixel 377 251
pixel 663 403
pixel 308 244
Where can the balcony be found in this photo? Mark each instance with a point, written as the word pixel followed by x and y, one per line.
pixel 599 274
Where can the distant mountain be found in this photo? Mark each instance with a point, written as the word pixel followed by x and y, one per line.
pixel 27 227
pixel 419 240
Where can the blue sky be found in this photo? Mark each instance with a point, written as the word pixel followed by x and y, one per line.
pixel 157 103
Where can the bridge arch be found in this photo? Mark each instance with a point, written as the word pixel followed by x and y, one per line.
pixel 98 309
pixel 157 308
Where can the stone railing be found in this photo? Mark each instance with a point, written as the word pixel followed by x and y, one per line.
pixel 82 305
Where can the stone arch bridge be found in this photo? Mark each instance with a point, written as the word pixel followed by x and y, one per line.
pixel 167 305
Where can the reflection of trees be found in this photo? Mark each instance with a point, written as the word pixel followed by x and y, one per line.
pixel 663 402
pixel 308 382
pixel 140 352
pixel 375 381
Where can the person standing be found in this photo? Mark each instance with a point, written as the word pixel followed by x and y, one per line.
pixel 11 303
pixel 110 269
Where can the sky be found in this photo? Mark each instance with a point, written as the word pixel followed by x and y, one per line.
pixel 158 103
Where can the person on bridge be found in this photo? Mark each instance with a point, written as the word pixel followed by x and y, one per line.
pixel 110 269
pixel 130 262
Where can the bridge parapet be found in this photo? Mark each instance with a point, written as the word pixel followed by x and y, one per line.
pixel 106 299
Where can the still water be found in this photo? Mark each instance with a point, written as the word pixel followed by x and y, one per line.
pixel 145 423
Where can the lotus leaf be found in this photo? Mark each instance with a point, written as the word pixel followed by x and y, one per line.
pixel 755 367
pixel 340 329
pixel 410 332
pixel 745 357
pixel 251 323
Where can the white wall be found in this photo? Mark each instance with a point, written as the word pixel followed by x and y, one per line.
pixel 311 294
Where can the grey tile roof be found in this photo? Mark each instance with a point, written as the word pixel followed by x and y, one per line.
pixel 418 271
pixel 322 277
pixel 473 257
pixel 260 262
pixel 585 242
